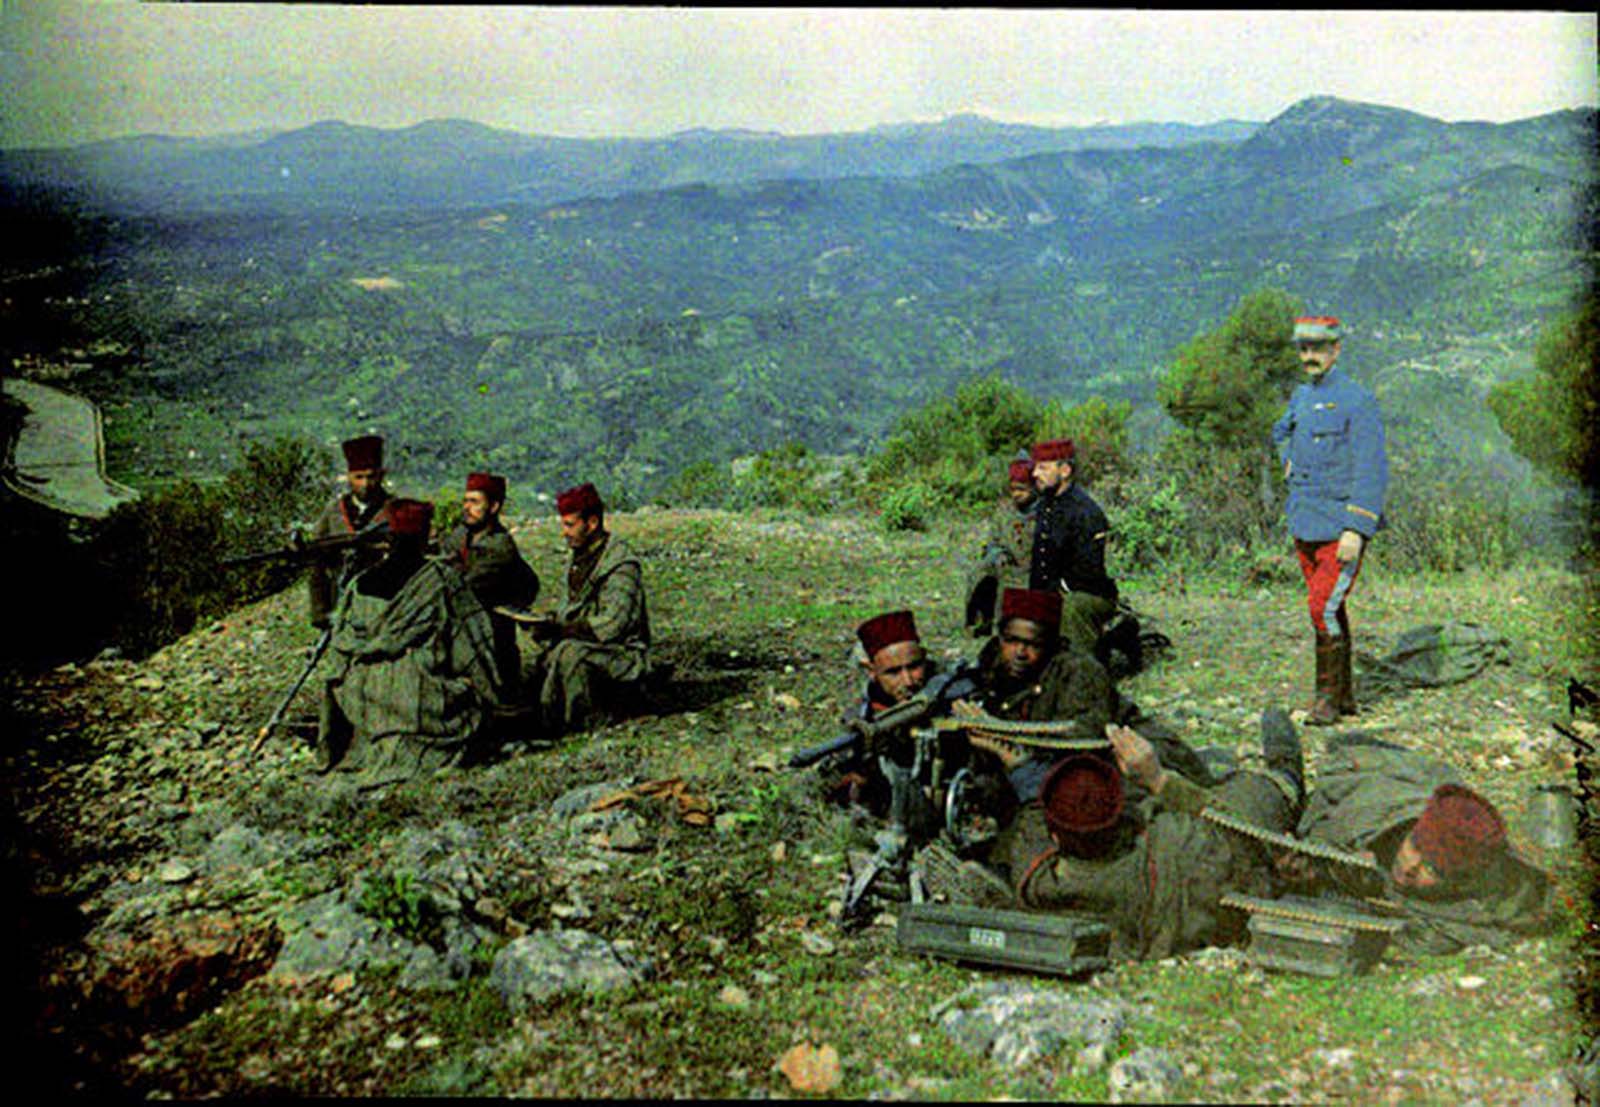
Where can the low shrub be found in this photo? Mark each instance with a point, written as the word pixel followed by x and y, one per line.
pixel 909 507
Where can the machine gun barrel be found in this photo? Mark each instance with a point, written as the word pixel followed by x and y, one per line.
pixel 933 700
pixel 301 549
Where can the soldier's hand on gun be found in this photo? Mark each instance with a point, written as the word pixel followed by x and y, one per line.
pixel 965 709
pixel 1350 543
pixel 1136 757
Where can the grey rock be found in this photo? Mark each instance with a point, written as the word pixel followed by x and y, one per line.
pixel 240 846
pixel 1015 1024
pixel 547 963
pixel 628 835
pixel 1146 1076
pixel 327 934
pixel 175 871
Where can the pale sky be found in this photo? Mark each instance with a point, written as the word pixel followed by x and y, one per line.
pixel 77 70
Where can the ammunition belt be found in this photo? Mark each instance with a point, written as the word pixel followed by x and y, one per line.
pixel 1288 841
pixel 1035 735
pixel 1330 914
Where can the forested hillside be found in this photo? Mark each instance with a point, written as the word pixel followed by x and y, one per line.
pixel 635 334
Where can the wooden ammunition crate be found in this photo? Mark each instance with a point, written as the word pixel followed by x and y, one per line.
pixel 1323 940
pixel 1064 945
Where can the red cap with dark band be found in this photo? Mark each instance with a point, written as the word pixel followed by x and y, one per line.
pixel 410 517
pixel 365 452
pixel 1081 794
pixel 494 487
pixel 1057 449
pixel 1043 608
pixel 1459 831
pixel 582 500
pixel 885 630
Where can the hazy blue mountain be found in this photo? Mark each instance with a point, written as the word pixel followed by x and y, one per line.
pixel 646 330
pixel 338 166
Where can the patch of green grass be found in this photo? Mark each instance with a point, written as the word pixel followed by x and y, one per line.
pixel 399 903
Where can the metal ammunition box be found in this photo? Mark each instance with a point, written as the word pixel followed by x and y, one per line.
pixel 1063 945
pixel 1314 937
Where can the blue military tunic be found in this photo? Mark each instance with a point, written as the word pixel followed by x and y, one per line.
pixel 1332 438
pixel 1069 545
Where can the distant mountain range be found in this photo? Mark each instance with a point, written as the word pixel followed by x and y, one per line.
pixel 417 289
pixel 337 166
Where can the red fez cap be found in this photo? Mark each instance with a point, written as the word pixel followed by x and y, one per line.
pixel 1458 831
pixel 1057 449
pixel 582 500
pixel 361 453
pixel 1081 794
pixel 412 517
pixel 1317 328
pixel 882 631
pixel 1043 608
pixel 490 485
pixel 1021 471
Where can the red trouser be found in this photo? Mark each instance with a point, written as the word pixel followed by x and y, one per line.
pixel 1328 582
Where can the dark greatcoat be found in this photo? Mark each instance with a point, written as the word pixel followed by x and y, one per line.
pixel 344 515
pixel 605 637
pixel 1368 795
pixel 497 574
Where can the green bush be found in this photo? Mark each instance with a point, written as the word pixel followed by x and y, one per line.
pixel 158 556
pixel 274 485
pixel 702 484
pixel 155 561
pixel 446 510
pixel 909 507
pixel 958 445
pixel 791 476
pixel 1444 514
pixel 1150 530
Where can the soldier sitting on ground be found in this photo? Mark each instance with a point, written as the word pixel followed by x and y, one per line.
pixel 1025 673
pixel 487 556
pixel 412 680
pixel 1028 675
pixel 594 652
pixel 1007 550
pixel 349 512
pixel 897 668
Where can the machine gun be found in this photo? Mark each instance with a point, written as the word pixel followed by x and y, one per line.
pixel 915 781
pixel 302 549
pixel 870 735
pixel 926 805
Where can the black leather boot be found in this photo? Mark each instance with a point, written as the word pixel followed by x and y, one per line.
pixel 1280 747
pixel 1324 707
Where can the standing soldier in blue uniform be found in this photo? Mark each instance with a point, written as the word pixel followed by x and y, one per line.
pixel 1331 440
pixel 1069 547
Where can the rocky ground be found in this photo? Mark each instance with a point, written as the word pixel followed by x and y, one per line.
pixel 644 910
